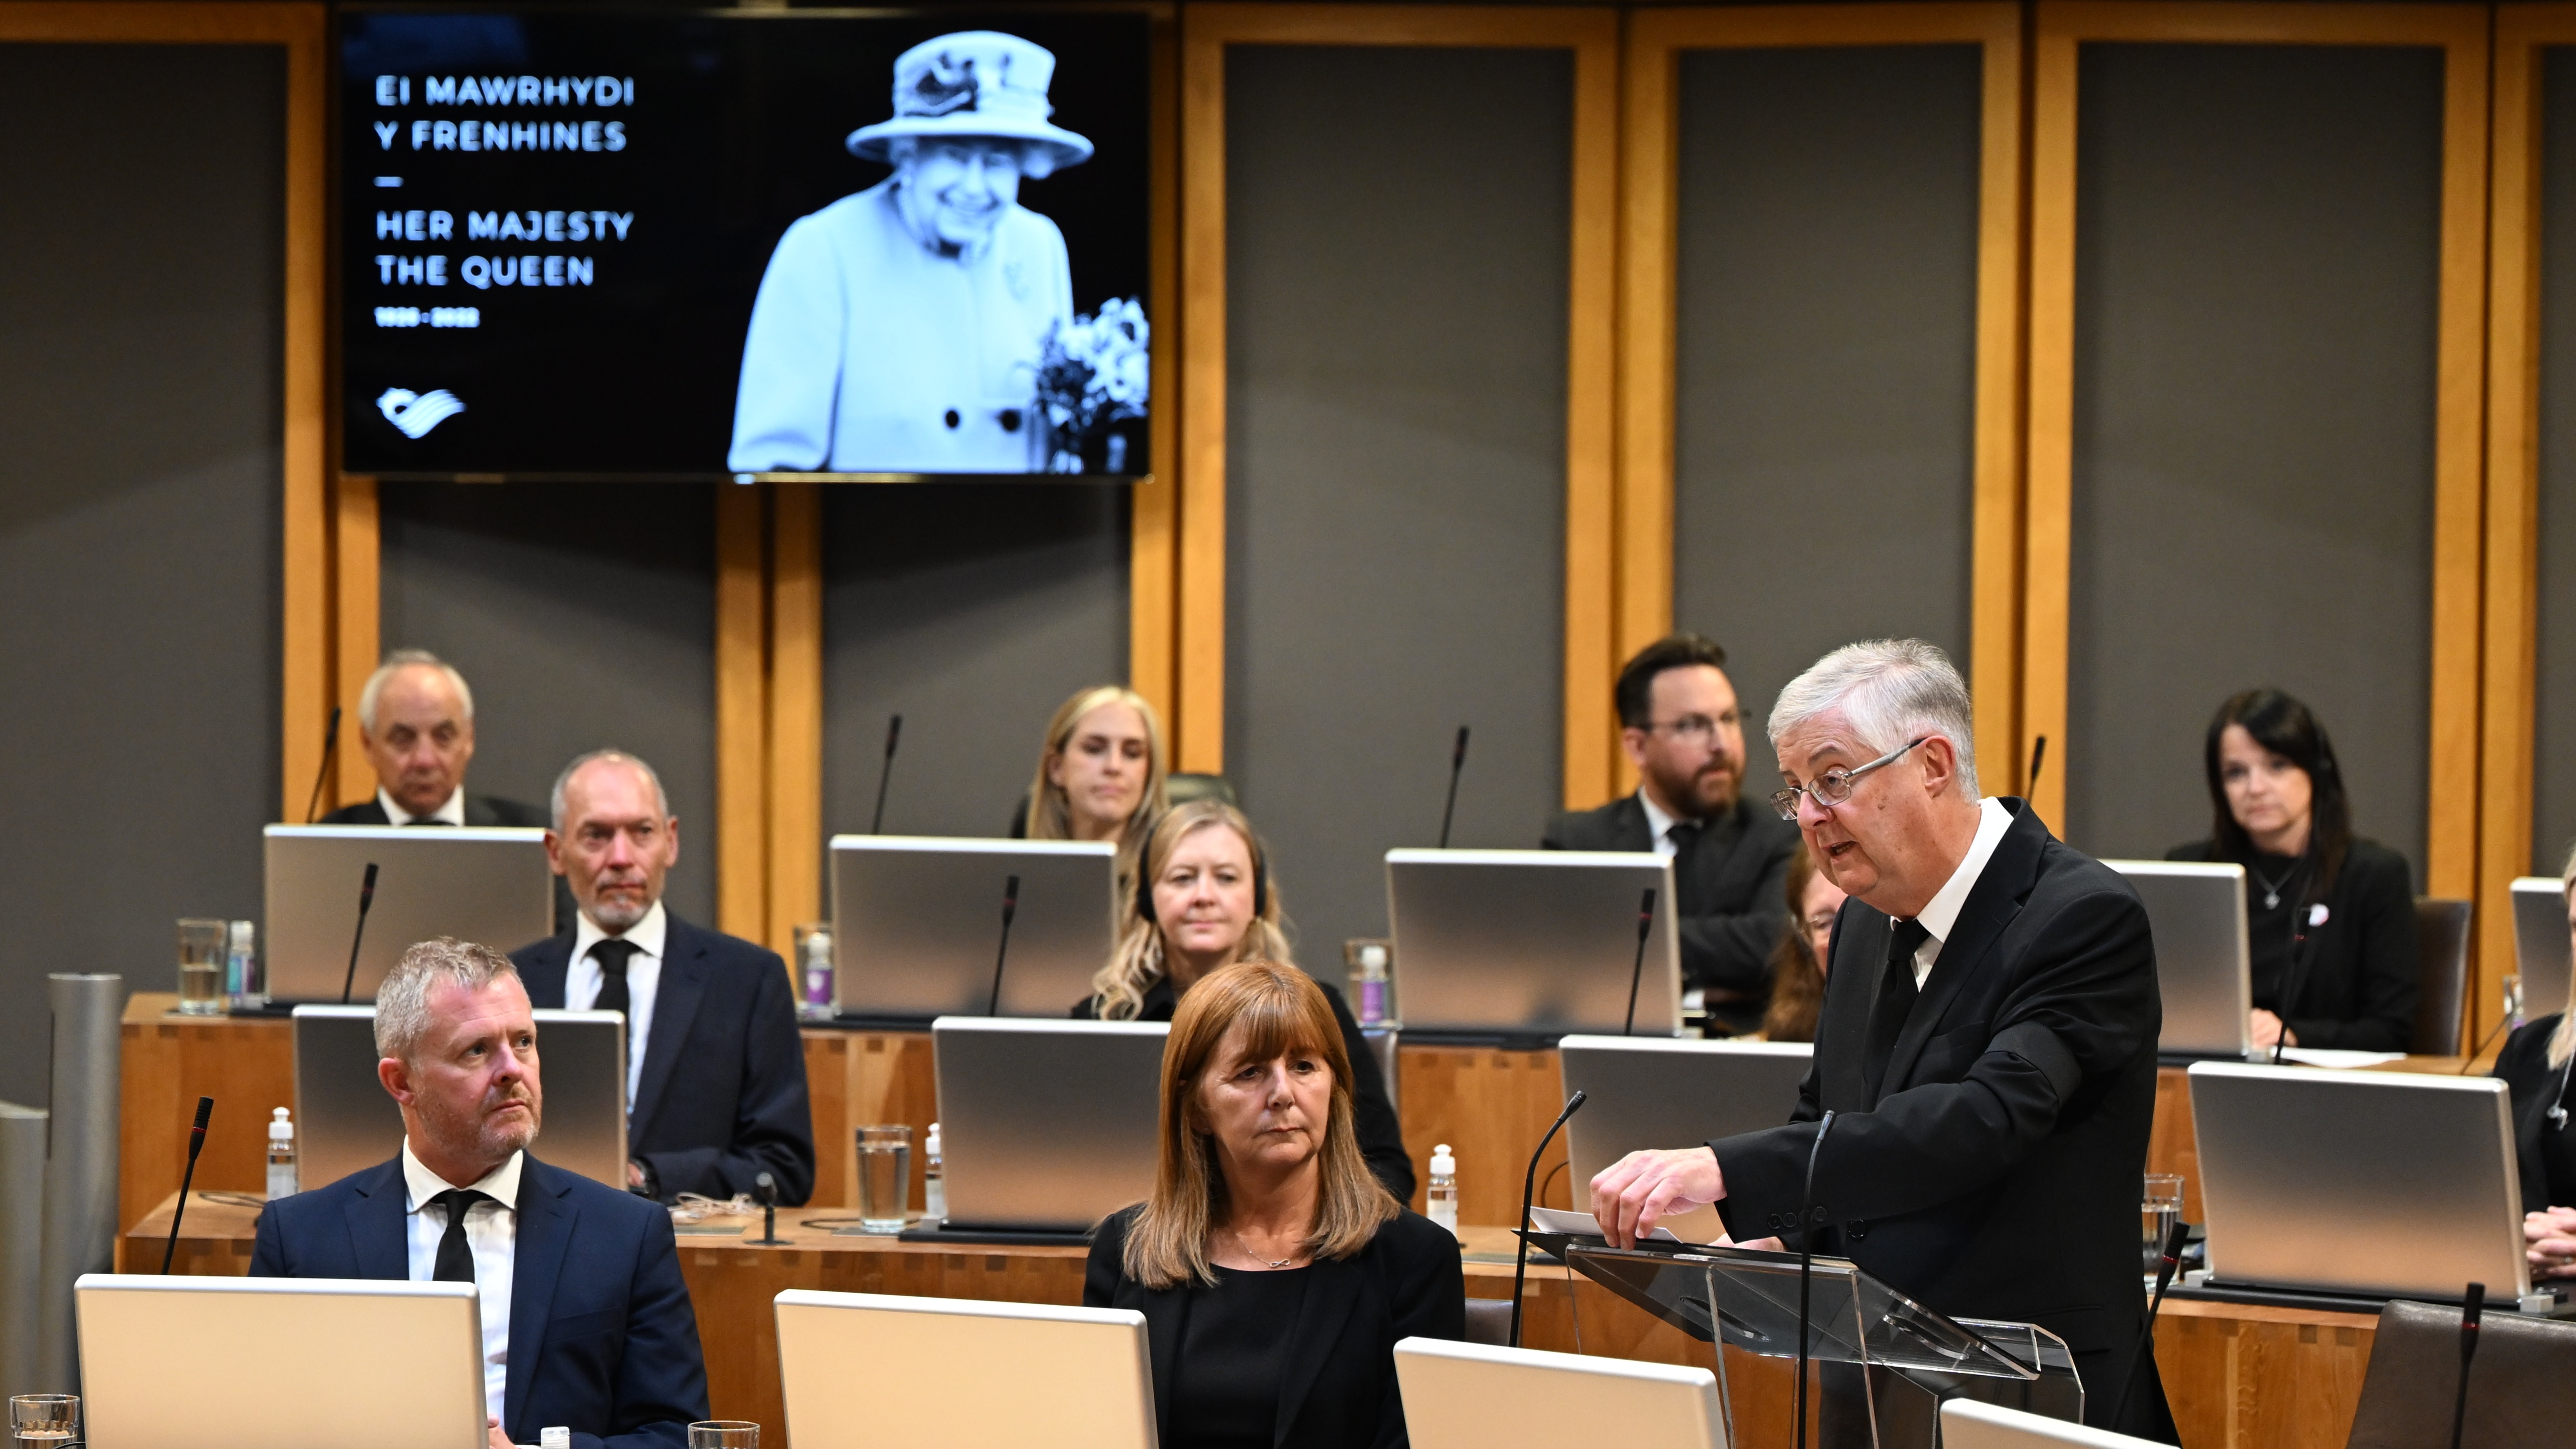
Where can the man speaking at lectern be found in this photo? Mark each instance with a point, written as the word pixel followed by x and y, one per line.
pixel 1988 1043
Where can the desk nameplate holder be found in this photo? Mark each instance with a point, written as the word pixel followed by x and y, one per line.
pixel 1911 1358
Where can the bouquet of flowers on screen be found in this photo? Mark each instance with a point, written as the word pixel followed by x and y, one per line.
pixel 1093 378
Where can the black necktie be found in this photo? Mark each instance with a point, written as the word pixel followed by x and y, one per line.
pixel 612 956
pixel 1895 1001
pixel 455 1259
pixel 428 820
pixel 1686 836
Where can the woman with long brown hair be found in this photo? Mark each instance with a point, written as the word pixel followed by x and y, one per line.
pixel 1204 901
pixel 1275 1273
pixel 1798 963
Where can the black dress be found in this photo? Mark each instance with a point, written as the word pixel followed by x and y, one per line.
pixel 2545 1151
pixel 2354 977
pixel 1380 1132
pixel 1331 1380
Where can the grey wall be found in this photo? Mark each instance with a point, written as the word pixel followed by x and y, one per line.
pixel 972 610
pixel 140 421
pixel 1825 370
pixel 2256 250
pixel 2553 805
pixel 584 616
pixel 1397 229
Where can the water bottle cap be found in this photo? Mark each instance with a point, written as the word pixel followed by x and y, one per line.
pixel 1441 1161
pixel 279 1128
pixel 1372 956
pixel 555 1437
pixel 930 1143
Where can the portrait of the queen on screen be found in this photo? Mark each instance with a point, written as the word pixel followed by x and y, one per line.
pixel 910 327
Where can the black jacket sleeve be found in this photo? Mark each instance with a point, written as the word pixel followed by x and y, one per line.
pixel 1731 949
pixel 1106 1268
pixel 2377 955
pixel 1426 1289
pixel 773 1129
pixel 1381 1132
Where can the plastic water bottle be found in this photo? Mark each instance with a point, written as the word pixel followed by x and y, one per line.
pixel 241 967
pixel 281 1156
pixel 934 1190
pixel 1372 984
pixel 1444 1189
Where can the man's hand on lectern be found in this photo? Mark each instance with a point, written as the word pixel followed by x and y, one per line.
pixel 1632 1193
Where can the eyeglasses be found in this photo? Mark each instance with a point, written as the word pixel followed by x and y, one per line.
pixel 1691 729
pixel 1834 786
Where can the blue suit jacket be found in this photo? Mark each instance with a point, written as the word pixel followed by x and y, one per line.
pixel 602 1338
pixel 722 1096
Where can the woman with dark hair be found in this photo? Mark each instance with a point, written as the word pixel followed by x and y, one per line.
pixel 1276 1275
pixel 2329 916
pixel 1798 963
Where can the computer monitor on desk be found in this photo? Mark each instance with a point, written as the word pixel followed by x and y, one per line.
pixel 1645 1092
pixel 2203 967
pixel 1518 944
pixel 345 1121
pixel 2358 1184
pixel 2540 945
pixel 1045 1126
pixel 1476 1396
pixel 488 885
pixel 956 1372
pixel 917 922
pixel 279 1363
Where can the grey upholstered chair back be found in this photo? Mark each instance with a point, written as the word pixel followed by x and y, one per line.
pixel 2522 1385
pixel 2442 970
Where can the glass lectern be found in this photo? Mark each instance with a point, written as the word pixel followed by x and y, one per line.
pixel 1886 1362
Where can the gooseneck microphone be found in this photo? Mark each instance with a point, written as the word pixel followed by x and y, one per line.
pixel 1810 1218
pixel 196 1144
pixel 765 1187
pixel 1010 906
pixel 2470 1312
pixel 2165 1267
pixel 885 773
pixel 330 744
pixel 1457 763
pixel 1645 927
pixel 366 900
pixel 1529 1190
pixel 2038 753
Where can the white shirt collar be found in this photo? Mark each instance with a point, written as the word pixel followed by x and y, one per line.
pixel 1943 911
pixel 647 934
pixel 501 1184
pixel 453 812
pixel 1657 822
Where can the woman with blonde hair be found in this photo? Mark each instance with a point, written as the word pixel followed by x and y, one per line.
pixel 1275 1274
pixel 1100 775
pixel 2535 1065
pixel 1203 901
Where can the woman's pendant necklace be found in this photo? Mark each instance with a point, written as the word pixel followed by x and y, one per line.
pixel 2272 888
pixel 1256 1257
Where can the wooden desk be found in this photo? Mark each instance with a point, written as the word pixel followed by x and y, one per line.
pixel 2238 1377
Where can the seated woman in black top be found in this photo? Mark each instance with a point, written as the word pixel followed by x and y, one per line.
pixel 1206 900
pixel 2535 1064
pixel 1275 1274
pixel 2329 916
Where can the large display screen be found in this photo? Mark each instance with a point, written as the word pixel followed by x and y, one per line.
pixel 689 244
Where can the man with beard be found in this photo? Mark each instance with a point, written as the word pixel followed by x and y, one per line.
pixel 715 1069
pixel 1681 728
pixel 590 1329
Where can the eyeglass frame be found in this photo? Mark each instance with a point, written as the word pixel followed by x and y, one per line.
pixel 1702 727
pixel 1786 801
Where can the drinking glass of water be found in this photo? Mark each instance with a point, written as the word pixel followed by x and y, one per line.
pixel 203 947
pixel 885 1178
pixel 2159 1208
pixel 44 1418
pixel 724 1434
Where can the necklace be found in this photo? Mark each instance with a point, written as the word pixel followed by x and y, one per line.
pixel 1237 1234
pixel 2272 888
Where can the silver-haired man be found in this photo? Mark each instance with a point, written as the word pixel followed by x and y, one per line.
pixel 1988 1043
pixel 607 1343
pixel 416 727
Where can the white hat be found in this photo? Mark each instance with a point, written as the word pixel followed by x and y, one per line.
pixel 974 83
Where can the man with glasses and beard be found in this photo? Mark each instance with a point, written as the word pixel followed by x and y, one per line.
pixel 715 1067
pixel 1682 729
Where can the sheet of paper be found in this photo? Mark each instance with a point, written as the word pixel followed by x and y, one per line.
pixel 2332 1057
pixel 1557 1220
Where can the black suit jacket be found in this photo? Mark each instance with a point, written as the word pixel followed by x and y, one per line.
pixel 722 1097
pixel 1337 1387
pixel 602 1337
pixel 2545 1152
pixel 480 811
pixel 1732 910
pixel 2357 984
pixel 1994 1172
pixel 1374 1121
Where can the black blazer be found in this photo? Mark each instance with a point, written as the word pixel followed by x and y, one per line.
pixel 1732 911
pixel 1337 1389
pixel 722 1096
pixel 1374 1121
pixel 480 810
pixel 2545 1152
pixel 602 1337
pixel 1994 1172
pixel 2358 986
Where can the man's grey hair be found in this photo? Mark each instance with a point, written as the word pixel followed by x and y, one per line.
pixel 661 798
pixel 402 1002
pixel 401 659
pixel 1890 691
